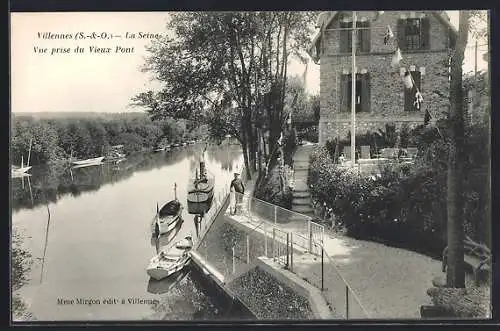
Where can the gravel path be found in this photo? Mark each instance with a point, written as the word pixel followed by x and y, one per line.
pixel 383 282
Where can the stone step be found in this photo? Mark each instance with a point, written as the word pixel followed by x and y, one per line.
pixel 300 186
pixel 301 201
pixel 301 194
pixel 302 209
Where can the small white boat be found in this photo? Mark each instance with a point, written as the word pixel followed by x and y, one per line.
pixel 93 161
pixel 22 170
pixel 114 156
pixel 168 262
pixel 19 172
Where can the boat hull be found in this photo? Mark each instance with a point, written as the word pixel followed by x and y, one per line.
pixel 93 161
pixel 165 224
pixel 200 197
pixel 20 171
pixel 199 207
pixel 201 192
pixel 159 270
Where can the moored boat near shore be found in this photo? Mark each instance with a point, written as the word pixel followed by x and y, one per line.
pixel 201 187
pixel 92 161
pixel 170 261
pixel 168 216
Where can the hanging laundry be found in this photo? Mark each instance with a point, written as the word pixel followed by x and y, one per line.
pixel 388 35
pixel 418 100
pixel 407 81
pixel 280 140
pixel 396 58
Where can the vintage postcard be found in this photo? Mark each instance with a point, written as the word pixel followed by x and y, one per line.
pixel 246 166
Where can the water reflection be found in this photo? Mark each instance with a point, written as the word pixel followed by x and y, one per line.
pixel 59 180
pixel 98 242
pixel 166 284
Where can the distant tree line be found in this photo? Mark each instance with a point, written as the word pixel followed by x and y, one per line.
pixel 58 138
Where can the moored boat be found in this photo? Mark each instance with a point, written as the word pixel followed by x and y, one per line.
pixel 92 161
pixel 201 187
pixel 168 216
pixel 17 171
pixel 114 156
pixel 170 261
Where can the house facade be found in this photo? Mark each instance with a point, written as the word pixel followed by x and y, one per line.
pixel 424 39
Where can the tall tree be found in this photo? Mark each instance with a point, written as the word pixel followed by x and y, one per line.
pixel 227 69
pixel 455 276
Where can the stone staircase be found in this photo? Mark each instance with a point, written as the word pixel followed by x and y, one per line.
pixel 301 202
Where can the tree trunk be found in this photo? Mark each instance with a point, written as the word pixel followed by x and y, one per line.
pixel 245 159
pixel 455 276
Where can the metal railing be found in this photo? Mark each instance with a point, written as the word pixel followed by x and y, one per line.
pixel 285 234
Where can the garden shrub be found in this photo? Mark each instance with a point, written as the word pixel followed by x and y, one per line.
pixel 406 205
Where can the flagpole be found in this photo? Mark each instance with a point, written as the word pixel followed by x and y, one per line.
pixel 353 91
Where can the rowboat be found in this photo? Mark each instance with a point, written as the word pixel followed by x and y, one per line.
pixel 170 261
pixel 159 149
pixel 19 171
pixel 114 156
pixel 165 239
pixel 22 170
pixel 93 161
pixel 168 216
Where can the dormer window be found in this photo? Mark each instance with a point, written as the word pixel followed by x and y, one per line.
pixel 413 33
pixel 363 35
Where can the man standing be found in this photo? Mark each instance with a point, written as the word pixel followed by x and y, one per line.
pixel 238 188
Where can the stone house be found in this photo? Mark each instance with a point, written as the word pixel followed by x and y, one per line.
pixel 424 39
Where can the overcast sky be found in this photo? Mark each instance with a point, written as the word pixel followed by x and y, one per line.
pixel 100 82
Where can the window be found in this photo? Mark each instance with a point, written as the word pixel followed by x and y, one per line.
pixel 362 37
pixel 410 93
pixel 362 97
pixel 413 34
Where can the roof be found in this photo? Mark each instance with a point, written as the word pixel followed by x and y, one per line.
pixel 325 18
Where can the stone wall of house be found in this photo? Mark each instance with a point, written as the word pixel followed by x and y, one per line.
pixel 387 92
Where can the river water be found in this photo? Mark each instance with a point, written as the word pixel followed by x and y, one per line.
pixel 89 258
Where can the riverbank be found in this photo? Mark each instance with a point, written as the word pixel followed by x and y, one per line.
pixel 58 138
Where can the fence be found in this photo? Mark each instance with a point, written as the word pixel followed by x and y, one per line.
pixel 286 235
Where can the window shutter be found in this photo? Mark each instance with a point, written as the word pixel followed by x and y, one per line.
pixel 343 37
pixel 365 92
pixel 417 78
pixel 365 47
pixel 452 38
pixel 346 89
pixel 402 34
pixel 425 33
pixel 342 93
pixel 409 98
